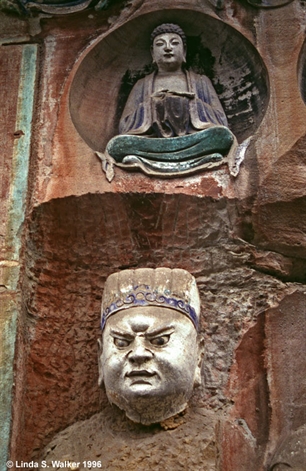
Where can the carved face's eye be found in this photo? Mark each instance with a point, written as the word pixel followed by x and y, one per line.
pixel 121 343
pixel 160 341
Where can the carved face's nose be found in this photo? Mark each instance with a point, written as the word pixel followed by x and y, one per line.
pixel 139 354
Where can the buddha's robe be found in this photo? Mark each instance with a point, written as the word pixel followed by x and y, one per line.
pixel 172 132
pixel 204 109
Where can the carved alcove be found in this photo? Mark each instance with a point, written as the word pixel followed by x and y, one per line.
pixel 78 233
pixel 76 241
pixel 104 78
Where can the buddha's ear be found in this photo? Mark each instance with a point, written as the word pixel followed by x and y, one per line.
pixel 201 346
pixel 100 351
pixel 152 54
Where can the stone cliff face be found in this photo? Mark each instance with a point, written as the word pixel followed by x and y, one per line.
pixel 242 238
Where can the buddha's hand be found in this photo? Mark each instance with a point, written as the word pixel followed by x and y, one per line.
pixel 165 92
pixel 160 93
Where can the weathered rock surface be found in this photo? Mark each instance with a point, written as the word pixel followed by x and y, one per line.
pixel 243 238
pixel 109 437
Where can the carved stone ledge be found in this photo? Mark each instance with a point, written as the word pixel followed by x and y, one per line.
pixel 66 7
pixel 53 7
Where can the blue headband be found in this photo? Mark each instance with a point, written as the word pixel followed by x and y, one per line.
pixel 143 296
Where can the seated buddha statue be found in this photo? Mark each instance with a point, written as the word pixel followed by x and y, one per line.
pixel 173 121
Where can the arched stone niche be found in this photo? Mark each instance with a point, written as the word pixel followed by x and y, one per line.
pixel 302 72
pixel 108 71
pixel 73 244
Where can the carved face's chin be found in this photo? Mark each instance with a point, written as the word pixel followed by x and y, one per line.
pixel 170 64
pixel 148 410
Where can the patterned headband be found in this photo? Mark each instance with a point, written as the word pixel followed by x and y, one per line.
pixel 143 296
pixel 162 287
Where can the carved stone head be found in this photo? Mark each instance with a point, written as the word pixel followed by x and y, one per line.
pixel 151 354
pixel 168 47
pixel 168 28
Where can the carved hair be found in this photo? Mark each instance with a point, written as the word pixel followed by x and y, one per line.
pixel 168 28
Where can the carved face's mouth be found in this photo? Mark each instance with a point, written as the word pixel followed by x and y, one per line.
pixel 140 376
pixel 136 373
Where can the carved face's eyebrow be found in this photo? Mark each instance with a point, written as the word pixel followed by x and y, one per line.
pixel 121 334
pixel 166 329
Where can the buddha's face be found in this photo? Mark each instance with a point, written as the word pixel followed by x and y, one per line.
pixel 150 362
pixel 168 52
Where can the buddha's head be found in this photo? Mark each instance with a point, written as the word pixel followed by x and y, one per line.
pixel 151 353
pixel 168 47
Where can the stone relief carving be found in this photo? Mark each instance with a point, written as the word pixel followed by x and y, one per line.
pixel 104 77
pixel 173 122
pixel 68 7
pixel 150 354
pixel 150 358
pixel 52 7
pixel 268 3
